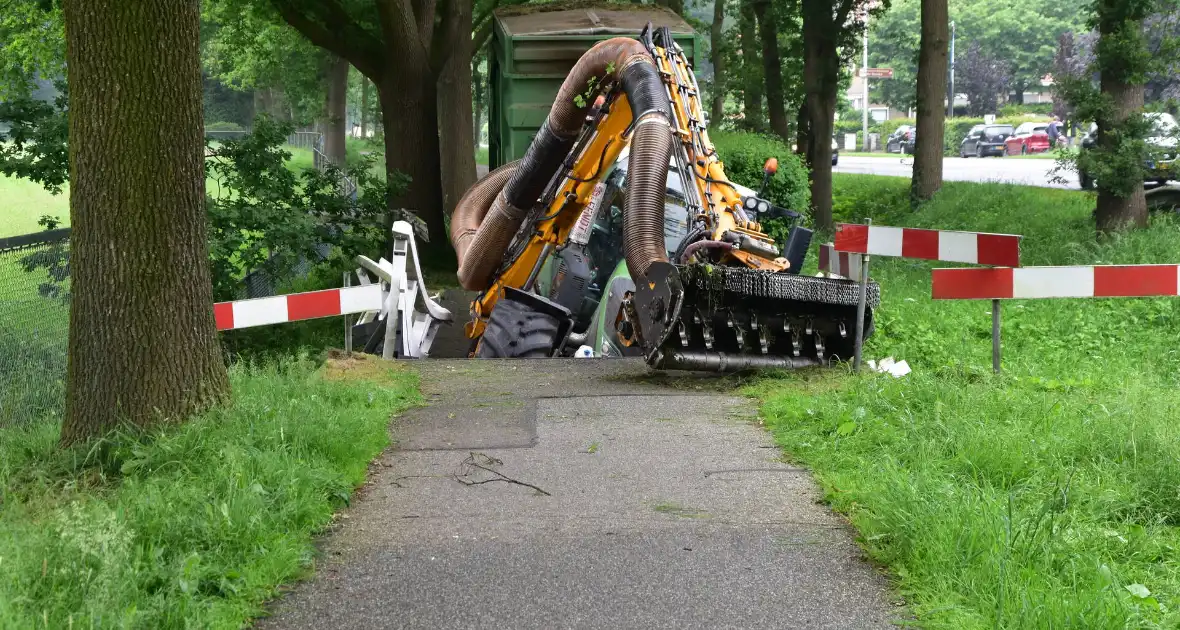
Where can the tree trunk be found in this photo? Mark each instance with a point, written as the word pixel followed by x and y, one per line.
pixel 932 86
pixel 410 116
pixel 455 118
pixel 337 116
pixel 364 106
pixel 142 341
pixel 1018 95
pixel 821 69
pixel 1115 212
pixel 751 70
pixel 772 69
pixel 717 49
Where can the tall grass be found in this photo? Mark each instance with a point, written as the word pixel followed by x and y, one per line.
pixel 195 525
pixel 1044 497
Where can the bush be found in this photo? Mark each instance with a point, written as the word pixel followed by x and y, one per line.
pixel 223 126
pixel 744 154
pixel 1013 110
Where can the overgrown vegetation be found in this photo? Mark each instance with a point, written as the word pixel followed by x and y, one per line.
pixel 1042 497
pixel 191 526
pixel 744 156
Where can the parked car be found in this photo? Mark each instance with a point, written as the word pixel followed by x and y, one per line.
pixel 1160 163
pixel 985 140
pixel 896 142
pixel 1029 137
pixel 835 151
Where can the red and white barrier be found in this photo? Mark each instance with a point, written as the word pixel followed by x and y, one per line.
pixel 297 306
pixel 839 263
pixel 981 248
pixel 1102 281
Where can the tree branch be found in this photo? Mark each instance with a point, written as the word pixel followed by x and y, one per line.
pixel 401 30
pixel 338 34
pixel 480 37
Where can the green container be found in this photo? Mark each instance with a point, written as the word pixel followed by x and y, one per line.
pixel 531 53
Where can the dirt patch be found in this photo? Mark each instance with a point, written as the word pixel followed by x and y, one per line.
pixel 340 366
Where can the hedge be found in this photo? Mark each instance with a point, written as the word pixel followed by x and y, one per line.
pixel 743 156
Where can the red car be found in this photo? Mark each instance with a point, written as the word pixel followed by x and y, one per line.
pixel 1030 137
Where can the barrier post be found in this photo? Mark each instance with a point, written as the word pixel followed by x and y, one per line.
pixel 860 306
pixel 347 324
pixel 996 336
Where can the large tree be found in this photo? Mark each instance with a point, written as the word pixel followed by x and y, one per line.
pixel 932 79
pixel 405 47
pixel 768 20
pixel 717 45
pixel 983 78
pixel 751 69
pixel 142 341
pixel 831 34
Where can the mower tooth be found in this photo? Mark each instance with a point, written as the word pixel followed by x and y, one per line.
pixel 819 346
pixel 684 333
pixel 843 331
pixel 796 344
pixel 807 329
pixel 707 335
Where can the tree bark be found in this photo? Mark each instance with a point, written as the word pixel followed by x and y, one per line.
pixel 751 70
pixel 772 69
pixel 455 120
pixel 335 147
pixel 1115 212
pixel 410 116
pixel 821 69
pixel 717 50
pixel 932 87
pixel 142 341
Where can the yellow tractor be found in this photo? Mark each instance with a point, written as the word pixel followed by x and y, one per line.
pixel 618 232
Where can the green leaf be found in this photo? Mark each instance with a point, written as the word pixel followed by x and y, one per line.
pixel 1138 590
pixel 846 429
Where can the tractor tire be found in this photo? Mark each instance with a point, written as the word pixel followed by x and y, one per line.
pixel 515 331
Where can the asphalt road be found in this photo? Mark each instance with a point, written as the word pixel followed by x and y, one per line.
pixel 586 493
pixel 1030 172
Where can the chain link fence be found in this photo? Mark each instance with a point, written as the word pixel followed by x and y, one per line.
pixel 34 326
pixel 34 310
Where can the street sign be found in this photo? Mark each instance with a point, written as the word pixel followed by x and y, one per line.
pixel 877 73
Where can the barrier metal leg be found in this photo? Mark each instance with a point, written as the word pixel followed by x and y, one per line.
pixel 860 306
pixel 347 323
pixel 996 336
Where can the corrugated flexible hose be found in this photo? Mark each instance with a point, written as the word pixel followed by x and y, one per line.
pixel 481 230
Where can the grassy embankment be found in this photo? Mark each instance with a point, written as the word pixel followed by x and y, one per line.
pixel 1044 497
pixel 192 526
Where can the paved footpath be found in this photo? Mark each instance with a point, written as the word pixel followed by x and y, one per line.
pixel 585 494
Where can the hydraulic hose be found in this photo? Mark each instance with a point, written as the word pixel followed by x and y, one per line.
pixel 476 202
pixel 481 252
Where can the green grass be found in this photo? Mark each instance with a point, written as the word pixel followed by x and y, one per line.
pixel 481 155
pixel 1044 497
pixel 23 202
pixel 193 526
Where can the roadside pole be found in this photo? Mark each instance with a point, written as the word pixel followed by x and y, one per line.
pixel 864 101
pixel 860 307
pixel 996 336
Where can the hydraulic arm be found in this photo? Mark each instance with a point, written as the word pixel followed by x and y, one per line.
pixel 727 296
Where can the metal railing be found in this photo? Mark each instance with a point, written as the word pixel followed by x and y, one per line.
pixel 34 326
